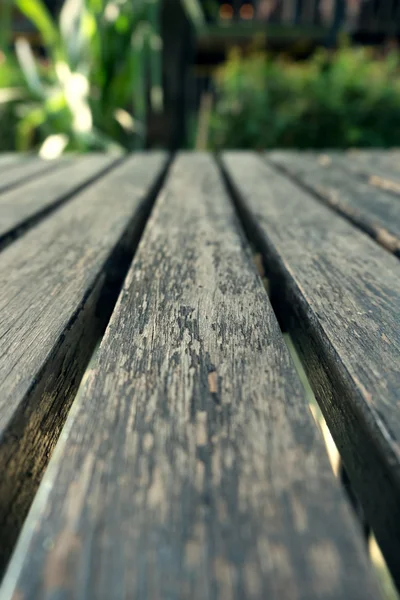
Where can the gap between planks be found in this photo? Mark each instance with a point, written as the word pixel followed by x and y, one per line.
pixel 24 454
pixel 14 224
pixel 260 221
pixel 361 220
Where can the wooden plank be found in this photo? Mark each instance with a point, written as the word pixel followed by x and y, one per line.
pixel 23 206
pixel 373 210
pixel 24 171
pixel 380 168
pixel 191 467
pixel 370 166
pixel 383 158
pixel 338 293
pixel 57 284
pixel 11 159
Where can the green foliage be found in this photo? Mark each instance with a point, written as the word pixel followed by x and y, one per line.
pixel 194 12
pixel 91 91
pixel 5 22
pixel 335 100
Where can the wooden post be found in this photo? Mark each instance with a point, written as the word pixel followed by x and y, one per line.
pixel 178 43
pixel 204 121
pixel 339 14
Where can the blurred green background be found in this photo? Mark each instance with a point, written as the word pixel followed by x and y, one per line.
pixel 348 98
pixel 83 85
pixel 84 75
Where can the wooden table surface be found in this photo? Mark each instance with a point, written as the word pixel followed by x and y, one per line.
pixel 189 464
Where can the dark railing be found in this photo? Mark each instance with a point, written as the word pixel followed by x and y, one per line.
pixel 375 16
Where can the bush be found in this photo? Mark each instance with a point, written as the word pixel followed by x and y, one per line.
pixel 90 93
pixel 350 98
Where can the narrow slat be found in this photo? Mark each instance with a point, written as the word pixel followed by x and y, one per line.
pixel 190 467
pixel 339 294
pixel 380 169
pixel 11 159
pixel 53 301
pixel 374 210
pixel 25 204
pixel 25 170
pixel 387 159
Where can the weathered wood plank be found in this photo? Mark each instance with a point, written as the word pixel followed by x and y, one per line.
pixel 11 159
pixel 26 170
pixel 24 205
pixel 54 286
pixel 374 210
pixel 339 295
pixel 386 161
pixel 190 467
pixel 380 169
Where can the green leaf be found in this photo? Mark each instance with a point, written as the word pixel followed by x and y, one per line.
pixel 9 94
pixel 10 73
pixel 115 45
pixel 5 23
pixel 72 31
pixel 26 128
pixel 95 6
pixel 36 11
pixel 28 66
pixel 194 12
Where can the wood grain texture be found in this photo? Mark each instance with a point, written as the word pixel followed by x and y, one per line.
pixel 11 159
pixel 383 164
pixel 380 169
pixel 191 466
pixel 54 291
pixel 369 207
pixel 21 207
pixel 339 295
pixel 15 174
